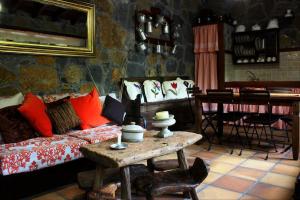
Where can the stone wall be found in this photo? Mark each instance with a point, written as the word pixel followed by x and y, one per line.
pixel 114 42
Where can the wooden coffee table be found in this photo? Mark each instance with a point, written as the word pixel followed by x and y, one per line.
pixel 150 148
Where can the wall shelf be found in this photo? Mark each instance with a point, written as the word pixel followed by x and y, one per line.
pixel 255 47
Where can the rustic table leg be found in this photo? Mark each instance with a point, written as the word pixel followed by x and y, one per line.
pixel 95 193
pixel 150 164
pixel 125 183
pixel 183 164
pixel 295 130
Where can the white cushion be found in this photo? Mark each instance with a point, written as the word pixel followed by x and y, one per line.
pixel 174 90
pixel 186 83
pixel 12 100
pixel 134 89
pixel 153 91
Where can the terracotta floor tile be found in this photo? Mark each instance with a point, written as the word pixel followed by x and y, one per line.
pixel 245 153
pixel 215 193
pixel 249 197
pixel 50 196
pixel 291 162
pixel 192 149
pixel 71 192
pixel 279 180
pixel 286 169
pixel 212 176
pixel 247 173
pixel 201 186
pixel 221 167
pixel 233 183
pixel 234 160
pixel 271 192
pixel 206 155
pixel 258 164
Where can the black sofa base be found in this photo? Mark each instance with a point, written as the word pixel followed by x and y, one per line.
pixel 27 184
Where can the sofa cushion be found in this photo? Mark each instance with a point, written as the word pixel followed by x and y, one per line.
pixel 14 127
pixel 34 110
pixel 113 110
pixel 153 91
pixel 174 90
pixel 63 116
pixel 98 134
pixel 88 108
pixel 134 89
pixel 38 153
pixel 11 100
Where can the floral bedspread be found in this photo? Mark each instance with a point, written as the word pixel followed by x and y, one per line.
pixel 42 152
pixel 98 134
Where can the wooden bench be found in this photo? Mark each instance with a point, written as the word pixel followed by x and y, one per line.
pixel 180 108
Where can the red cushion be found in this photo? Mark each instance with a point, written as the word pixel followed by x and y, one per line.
pixel 34 110
pixel 89 109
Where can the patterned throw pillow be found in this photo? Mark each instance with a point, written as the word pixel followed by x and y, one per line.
pixel 186 83
pixel 14 127
pixel 134 89
pixel 153 91
pixel 174 90
pixel 63 116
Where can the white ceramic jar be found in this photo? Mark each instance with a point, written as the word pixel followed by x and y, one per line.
pixel 132 133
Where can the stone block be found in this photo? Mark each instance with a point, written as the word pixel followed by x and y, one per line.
pixel 73 73
pixel 38 79
pixel 6 76
pixel 112 34
pixel 8 91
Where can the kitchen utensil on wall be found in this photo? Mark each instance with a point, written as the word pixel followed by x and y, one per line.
pixel 159 20
pixel 141 46
pixel 166 28
pixel 158 48
pixel 141 18
pixel 141 33
pixel 149 25
pixel 173 51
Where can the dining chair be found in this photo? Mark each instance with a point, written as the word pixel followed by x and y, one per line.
pixel 230 117
pixel 259 119
pixel 208 116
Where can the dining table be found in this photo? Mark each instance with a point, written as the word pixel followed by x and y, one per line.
pixel 276 99
pixel 151 147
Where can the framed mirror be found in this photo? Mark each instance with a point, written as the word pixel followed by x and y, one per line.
pixel 49 27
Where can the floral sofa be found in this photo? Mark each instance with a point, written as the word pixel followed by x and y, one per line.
pixel 42 152
pixel 42 163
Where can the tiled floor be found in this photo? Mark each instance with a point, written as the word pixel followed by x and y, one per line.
pixel 231 176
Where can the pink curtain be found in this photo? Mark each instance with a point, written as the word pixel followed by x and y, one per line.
pixel 205 49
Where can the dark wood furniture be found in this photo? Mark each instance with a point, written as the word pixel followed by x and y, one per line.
pixel 173 181
pixel 150 148
pixel 256 47
pixel 180 108
pixel 275 99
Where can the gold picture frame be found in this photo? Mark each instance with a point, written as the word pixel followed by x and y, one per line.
pixel 44 48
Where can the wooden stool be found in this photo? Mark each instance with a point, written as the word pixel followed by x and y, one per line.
pixel 163 165
pixel 176 180
pixel 111 180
